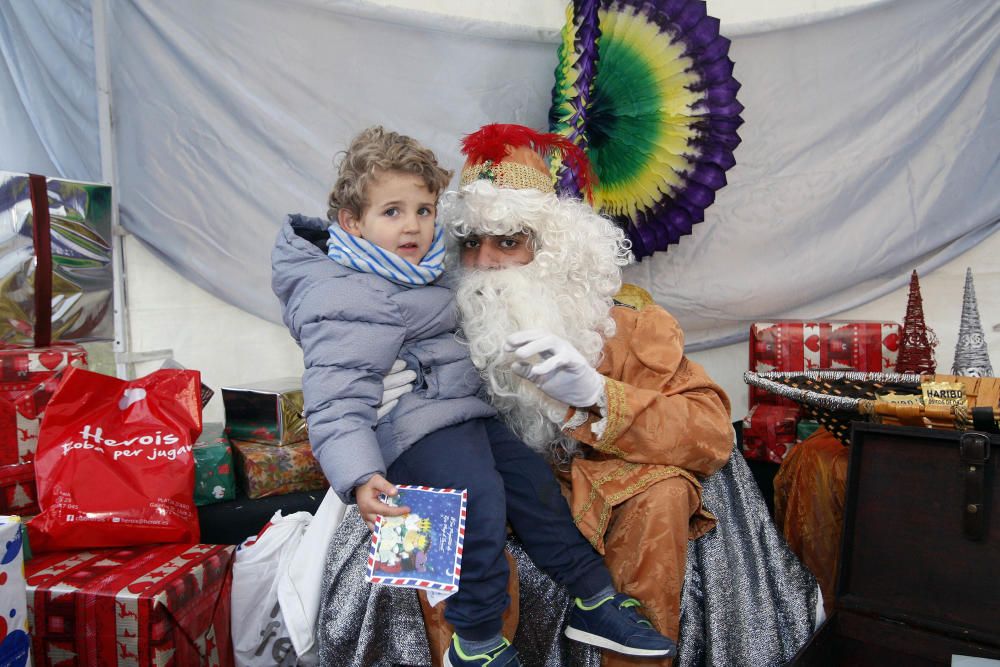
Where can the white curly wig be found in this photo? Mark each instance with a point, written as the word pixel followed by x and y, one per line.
pixel 567 289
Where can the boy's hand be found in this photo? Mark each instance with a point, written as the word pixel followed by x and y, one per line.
pixel 370 506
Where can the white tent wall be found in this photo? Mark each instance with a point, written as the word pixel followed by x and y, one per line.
pixel 231 346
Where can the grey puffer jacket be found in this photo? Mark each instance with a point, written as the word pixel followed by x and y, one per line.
pixel 352 326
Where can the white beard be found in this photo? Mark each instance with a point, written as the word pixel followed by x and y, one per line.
pixel 497 303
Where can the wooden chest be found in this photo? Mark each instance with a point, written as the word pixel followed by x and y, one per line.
pixel 919 577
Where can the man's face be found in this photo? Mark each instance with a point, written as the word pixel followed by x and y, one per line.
pixel 496 252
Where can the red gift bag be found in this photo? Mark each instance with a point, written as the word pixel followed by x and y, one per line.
pixel 114 465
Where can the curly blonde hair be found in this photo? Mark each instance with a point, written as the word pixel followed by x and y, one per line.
pixel 378 150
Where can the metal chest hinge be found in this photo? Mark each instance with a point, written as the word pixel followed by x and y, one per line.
pixel 974 450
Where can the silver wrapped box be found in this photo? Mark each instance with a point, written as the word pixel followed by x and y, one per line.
pixel 79 283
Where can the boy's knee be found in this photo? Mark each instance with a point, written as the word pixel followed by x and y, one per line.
pixel 487 494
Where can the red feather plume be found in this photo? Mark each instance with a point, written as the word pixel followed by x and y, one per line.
pixel 492 142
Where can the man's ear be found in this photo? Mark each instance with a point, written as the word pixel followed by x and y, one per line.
pixel 349 222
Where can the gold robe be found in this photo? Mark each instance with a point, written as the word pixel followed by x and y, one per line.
pixel 636 494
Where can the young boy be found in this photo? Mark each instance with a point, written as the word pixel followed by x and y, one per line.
pixel 366 290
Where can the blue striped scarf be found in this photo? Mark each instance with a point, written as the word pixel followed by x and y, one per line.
pixel 356 253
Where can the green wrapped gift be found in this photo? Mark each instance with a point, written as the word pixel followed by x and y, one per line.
pixel 214 480
pixel 805 429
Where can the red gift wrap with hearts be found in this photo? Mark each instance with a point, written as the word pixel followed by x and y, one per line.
pixel 28 377
pixel 805 346
pixel 167 606
pixel 769 432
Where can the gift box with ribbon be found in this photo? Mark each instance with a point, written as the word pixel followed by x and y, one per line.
pixel 167 606
pixel 804 346
pixel 56 278
pixel 28 377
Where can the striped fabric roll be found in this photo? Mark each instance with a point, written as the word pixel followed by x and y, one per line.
pixel 356 253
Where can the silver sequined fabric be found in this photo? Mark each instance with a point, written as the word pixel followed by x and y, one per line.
pixel 747 600
pixel 361 625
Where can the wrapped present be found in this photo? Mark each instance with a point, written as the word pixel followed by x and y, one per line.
pixel 268 412
pixel 167 606
pixel 798 346
pixel 18 494
pixel 56 281
pixel 266 470
pixel 769 432
pixel 214 478
pixel 805 428
pixel 15 643
pixel 28 377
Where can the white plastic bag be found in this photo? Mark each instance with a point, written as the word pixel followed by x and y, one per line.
pixel 301 585
pixel 260 637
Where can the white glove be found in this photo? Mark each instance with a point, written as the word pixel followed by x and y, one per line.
pixel 397 382
pixel 561 372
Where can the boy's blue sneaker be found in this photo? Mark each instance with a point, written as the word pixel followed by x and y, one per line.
pixel 615 623
pixel 503 655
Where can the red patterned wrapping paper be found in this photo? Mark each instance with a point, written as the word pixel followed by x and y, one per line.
pixel 803 346
pixel 28 376
pixel 267 470
pixel 18 494
pixel 769 432
pixel 162 606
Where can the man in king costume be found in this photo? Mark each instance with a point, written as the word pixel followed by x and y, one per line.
pixel 592 375
pixel 600 387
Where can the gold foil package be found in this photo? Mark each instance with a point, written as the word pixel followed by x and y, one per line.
pixel 900 399
pixel 944 393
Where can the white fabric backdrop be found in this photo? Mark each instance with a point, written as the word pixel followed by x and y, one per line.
pixel 48 118
pixel 871 142
pixel 871 147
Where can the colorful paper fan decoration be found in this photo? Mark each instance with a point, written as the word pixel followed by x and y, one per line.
pixel 646 88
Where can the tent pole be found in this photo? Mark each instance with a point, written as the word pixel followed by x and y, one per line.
pixel 109 174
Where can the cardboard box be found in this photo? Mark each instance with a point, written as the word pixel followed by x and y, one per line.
pixel 214 476
pixel 268 412
pixel 769 432
pixel 807 346
pixel 266 470
pixel 15 642
pixel 56 280
pixel 18 494
pixel 28 377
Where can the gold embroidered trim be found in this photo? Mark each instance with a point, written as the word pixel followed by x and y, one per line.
pixel 633 296
pixel 616 419
pixel 508 174
pixel 622 470
pixel 644 481
pixel 658 473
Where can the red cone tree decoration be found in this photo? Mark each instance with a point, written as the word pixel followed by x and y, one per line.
pixel 916 354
